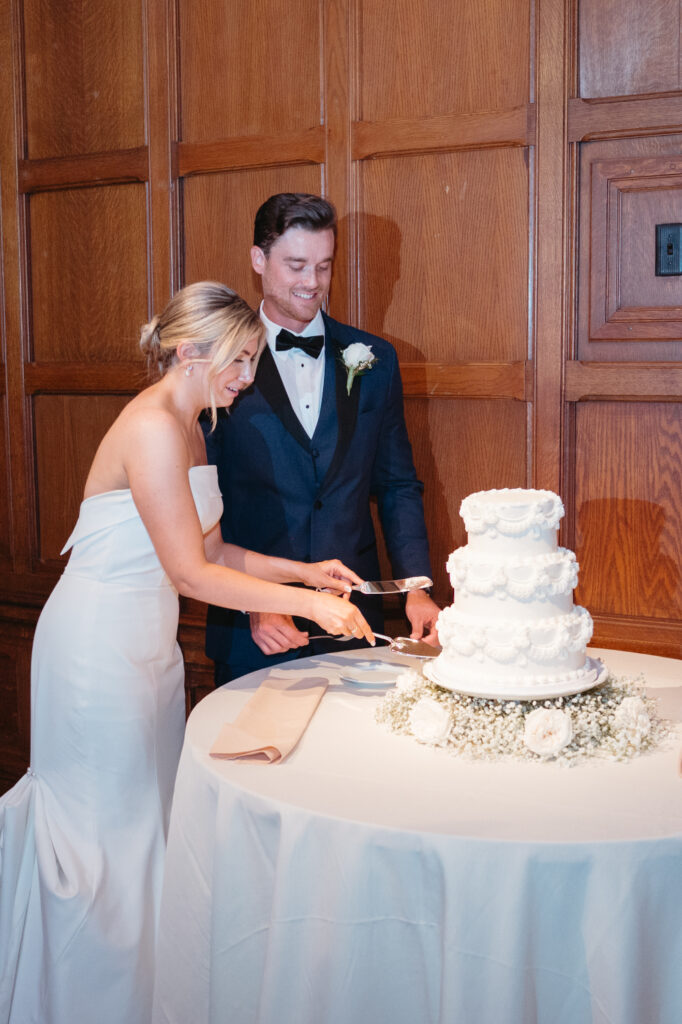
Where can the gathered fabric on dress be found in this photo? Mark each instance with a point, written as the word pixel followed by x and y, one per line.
pixel 83 833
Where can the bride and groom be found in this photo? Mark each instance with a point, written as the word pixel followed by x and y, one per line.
pixel 82 835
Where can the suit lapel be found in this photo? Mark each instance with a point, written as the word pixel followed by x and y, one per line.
pixel 269 383
pixel 346 405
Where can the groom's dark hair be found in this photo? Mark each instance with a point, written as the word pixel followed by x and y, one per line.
pixel 291 210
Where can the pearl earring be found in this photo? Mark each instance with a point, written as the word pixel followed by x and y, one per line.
pixel 189 369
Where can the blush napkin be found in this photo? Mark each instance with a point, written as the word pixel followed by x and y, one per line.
pixel 272 721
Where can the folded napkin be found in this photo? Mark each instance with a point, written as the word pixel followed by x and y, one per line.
pixel 272 721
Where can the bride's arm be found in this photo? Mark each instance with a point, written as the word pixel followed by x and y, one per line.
pixel 157 466
pixel 331 574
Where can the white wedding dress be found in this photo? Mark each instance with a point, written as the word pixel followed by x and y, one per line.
pixel 82 834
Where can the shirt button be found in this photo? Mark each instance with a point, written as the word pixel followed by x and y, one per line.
pixel 317 504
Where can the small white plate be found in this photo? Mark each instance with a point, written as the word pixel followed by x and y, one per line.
pixel 372 673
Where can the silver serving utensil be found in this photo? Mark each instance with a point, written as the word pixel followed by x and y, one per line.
pixel 398 644
pixel 393 586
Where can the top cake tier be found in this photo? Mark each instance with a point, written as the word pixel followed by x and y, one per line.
pixel 513 520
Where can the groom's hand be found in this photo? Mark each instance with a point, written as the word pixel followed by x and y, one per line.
pixel 422 613
pixel 275 633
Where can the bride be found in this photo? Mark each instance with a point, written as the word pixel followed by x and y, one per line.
pixel 82 835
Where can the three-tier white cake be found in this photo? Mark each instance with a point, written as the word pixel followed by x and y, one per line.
pixel 513 631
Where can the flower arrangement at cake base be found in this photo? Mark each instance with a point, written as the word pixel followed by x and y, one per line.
pixel 614 721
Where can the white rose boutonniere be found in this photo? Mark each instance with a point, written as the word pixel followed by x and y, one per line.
pixel 358 359
pixel 547 731
pixel 429 721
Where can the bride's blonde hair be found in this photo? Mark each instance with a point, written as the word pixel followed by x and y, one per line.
pixel 208 315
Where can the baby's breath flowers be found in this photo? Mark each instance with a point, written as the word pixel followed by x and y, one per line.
pixel 615 721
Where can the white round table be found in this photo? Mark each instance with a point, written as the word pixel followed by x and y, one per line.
pixel 370 878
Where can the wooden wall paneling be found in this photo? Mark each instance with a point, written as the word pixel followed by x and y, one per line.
pixel 625 312
pixel 628 47
pixel 461 446
pixel 340 94
pixel 5 520
pixel 443 265
pixel 511 127
pixel 68 429
pixel 245 151
pixel 119 167
pixel 83 75
pixel 635 381
pixel 623 118
pixel 248 68
pixel 14 308
pixel 426 59
pixel 5 509
pixel 161 121
pixel 217 218
pixel 15 721
pixel 550 278
pixel 628 541
pixel 88 273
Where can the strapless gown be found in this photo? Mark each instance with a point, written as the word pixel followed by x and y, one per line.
pixel 83 833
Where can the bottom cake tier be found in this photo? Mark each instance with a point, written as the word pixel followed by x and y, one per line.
pixel 509 682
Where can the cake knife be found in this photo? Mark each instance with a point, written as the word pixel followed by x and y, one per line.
pixel 398 644
pixel 393 586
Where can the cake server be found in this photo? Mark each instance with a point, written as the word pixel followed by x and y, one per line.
pixel 398 644
pixel 393 586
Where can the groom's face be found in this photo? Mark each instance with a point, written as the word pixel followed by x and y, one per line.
pixel 296 275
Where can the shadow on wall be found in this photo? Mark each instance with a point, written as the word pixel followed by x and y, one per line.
pixel 379 247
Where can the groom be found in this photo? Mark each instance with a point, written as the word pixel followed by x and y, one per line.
pixel 320 433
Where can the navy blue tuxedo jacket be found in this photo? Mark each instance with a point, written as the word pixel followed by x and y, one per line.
pixel 309 498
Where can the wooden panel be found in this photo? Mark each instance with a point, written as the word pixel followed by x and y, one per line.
pixel 85 379
pixel 612 119
pixel 551 228
pixel 468 380
pixel 627 47
pixel 628 503
pixel 514 127
pixel 622 380
pixel 67 432
pixel 460 447
pixel 248 68
pixel 628 199
pixel 251 151
pixel 417 60
pixel 15 648
pixel 626 188
pixel 88 273
pixel 443 255
pixel 5 490
pixel 218 213
pixel 84 65
pixel 96 169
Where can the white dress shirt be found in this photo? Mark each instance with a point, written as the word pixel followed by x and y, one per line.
pixel 302 375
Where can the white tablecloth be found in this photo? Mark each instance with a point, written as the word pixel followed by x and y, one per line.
pixel 370 878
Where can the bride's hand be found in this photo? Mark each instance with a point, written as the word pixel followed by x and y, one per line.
pixel 331 575
pixel 338 616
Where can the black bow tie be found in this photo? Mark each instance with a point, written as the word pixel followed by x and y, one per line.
pixel 312 344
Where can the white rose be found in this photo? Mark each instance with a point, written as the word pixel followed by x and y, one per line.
pixel 409 680
pixel 631 716
pixel 430 721
pixel 357 354
pixel 547 731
